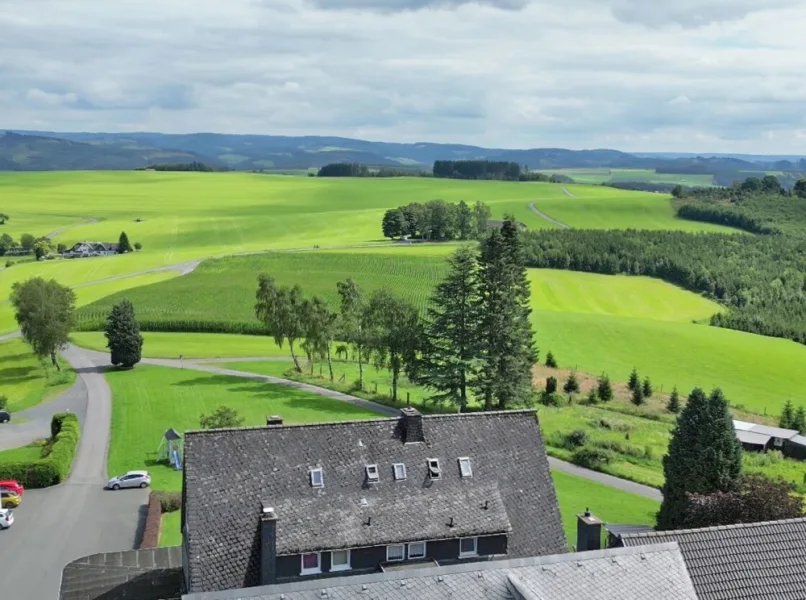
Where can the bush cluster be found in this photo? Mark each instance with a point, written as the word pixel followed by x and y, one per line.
pixel 592 458
pixel 55 465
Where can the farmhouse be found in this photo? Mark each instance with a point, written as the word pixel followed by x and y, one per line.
pixel 87 249
pixel 286 503
pixel 761 438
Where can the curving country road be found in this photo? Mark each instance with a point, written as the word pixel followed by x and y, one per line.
pixel 545 217
pixel 56 525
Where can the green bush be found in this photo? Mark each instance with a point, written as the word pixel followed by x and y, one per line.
pixel 3 402
pixel 169 501
pixel 551 399
pixel 620 448
pixel 591 458
pixel 54 466
pixel 576 438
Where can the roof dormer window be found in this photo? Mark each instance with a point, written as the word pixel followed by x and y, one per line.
pixel 464 467
pixel 317 478
pixel 399 470
pixel 372 474
pixel 434 470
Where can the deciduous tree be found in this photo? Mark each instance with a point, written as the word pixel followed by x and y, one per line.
pixel 280 309
pixel 352 327
pixel 27 241
pixel 45 313
pixel 123 335
pixel 481 215
pixel 464 221
pixel 704 456
pixel 221 418
pixel 451 355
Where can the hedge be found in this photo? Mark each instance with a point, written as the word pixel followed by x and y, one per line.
pixel 54 466
pixel 95 323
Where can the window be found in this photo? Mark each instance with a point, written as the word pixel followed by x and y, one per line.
pixel 340 560
pixel 311 564
pixel 416 550
pixel 396 552
pixel 467 547
pixel 433 468
pixel 317 478
pixel 464 467
pixel 372 473
pixel 400 471
pixel 778 442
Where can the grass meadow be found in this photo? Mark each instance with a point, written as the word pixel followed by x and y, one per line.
pixel 604 175
pixel 26 381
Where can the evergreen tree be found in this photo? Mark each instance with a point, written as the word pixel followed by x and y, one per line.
pixel 123 336
pixel 647 388
pixel 634 381
pixel 604 389
pixel 637 396
pixel 571 385
pixel 704 456
pixel 592 396
pixel 551 362
pixel 787 416
pixel 450 359
pixel 799 421
pixel 551 385
pixel 673 405
pixel 507 341
pixel 123 243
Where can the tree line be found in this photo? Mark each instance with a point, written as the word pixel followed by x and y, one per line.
pixel 195 166
pixel 477 169
pixel 437 220
pixel 345 169
pixel 476 339
pixel 761 280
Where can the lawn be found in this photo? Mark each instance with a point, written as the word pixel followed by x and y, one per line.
pixel 25 380
pixel 170 529
pixel 597 176
pixel 149 400
pixel 611 506
pixel 190 345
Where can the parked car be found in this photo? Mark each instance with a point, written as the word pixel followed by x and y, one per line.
pixel 10 484
pixel 132 479
pixel 9 499
pixel 5 416
pixel 6 518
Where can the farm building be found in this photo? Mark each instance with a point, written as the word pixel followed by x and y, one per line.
pixel 761 438
pixel 87 249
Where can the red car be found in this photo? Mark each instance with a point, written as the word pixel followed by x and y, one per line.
pixel 13 486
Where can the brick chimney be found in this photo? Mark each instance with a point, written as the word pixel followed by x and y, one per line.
pixel 412 425
pixel 589 532
pixel 268 546
pixel 274 420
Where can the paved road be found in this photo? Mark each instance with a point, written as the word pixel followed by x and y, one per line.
pixel 567 193
pixel 545 217
pixel 605 479
pixel 57 525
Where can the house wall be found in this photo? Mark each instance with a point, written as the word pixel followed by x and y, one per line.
pixel 795 451
pixel 368 560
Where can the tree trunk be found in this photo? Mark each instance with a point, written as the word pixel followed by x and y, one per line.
pixel 394 385
pixel 329 363
pixel 54 361
pixel 294 357
pixel 462 391
pixel 360 370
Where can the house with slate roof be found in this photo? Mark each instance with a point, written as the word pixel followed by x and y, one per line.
pixel 284 503
pixel 87 249
pixel 761 438
pixel 656 572
pixel 750 561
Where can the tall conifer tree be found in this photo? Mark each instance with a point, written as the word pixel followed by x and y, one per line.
pixel 704 456
pixel 123 336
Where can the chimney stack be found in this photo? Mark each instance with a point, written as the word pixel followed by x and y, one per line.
pixel 268 546
pixel 412 425
pixel 274 420
pixel 589 532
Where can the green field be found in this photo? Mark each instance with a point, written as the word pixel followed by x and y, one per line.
pixel 149 400
pixel 603 175
pixel 26 381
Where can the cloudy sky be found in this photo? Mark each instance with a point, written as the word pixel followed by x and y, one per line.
pixel 676 75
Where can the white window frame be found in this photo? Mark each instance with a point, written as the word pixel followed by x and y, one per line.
pixel 464 461
pixel 373 475
pixel 402 467
pixel 777 442
pixel 321 483
pixel 402 553
pixel 311 571
pixel 436 468
pixel 342 567
pixel 416 557
pixel 475 551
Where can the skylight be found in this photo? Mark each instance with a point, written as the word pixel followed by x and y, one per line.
pixel 464 467
pixel 317 478
pixel 433 468
pixel 400 471
pixel 372 473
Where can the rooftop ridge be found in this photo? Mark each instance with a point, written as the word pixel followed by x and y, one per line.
pixel 670 532
pixel 491 413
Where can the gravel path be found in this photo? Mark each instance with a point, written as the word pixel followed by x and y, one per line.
pixel 567 193
pixel 545 217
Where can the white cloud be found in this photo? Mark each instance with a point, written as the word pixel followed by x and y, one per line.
pixel 699 75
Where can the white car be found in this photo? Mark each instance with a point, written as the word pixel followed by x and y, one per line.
pixel 132 479
pixel 6 518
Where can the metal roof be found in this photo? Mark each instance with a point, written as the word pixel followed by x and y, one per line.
pixel 749 437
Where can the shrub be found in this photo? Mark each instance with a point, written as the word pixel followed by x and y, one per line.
pixel 610 425
pixel 551 385
pixel 551 362
pixel 9 264
pixel 592 397
pixel 591 458
pixel 138 246
pixel 169 501
pixel 553 399
pixel 577 438
pixel 617 447
pixel 3 402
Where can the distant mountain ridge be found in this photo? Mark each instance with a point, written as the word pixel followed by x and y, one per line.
pixel 44 150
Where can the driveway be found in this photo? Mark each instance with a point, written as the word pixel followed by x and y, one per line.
pixel 57 525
